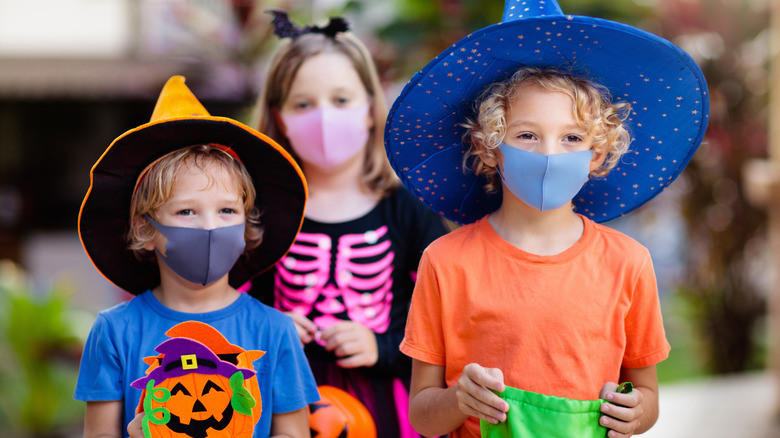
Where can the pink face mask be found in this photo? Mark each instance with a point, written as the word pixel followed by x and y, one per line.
pixel 327 136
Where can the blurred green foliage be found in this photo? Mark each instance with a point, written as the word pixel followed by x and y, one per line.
pixel 423 29
pixel 38 361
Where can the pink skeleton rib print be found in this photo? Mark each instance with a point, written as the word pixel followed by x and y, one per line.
pixel 329 284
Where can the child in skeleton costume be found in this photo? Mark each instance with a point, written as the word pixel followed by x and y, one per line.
pixel 181 211
pixel 348 278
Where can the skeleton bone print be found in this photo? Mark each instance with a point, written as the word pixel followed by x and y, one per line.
pixel 330 283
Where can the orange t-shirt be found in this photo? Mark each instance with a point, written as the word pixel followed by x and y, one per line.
pixel 561 325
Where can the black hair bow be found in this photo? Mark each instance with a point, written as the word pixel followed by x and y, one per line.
pixel 284 28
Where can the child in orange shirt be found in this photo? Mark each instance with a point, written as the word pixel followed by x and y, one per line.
pixel 531 306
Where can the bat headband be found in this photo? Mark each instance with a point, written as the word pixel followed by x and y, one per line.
pixel 284 28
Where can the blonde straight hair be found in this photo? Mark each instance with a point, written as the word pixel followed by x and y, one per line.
pixel 378 176
pixel 155 187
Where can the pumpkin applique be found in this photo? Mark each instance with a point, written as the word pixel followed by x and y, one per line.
pixel 193 393
pixel 339 415
pixel 219 345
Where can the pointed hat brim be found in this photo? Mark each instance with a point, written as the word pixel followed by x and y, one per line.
pixel 667 91
pixel 179 121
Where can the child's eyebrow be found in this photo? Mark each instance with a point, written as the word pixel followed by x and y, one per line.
pixel 298 95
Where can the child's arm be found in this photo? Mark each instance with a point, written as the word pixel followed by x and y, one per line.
pixel 103 419
pixel 436 410
pixel 633 413
pixel 293 424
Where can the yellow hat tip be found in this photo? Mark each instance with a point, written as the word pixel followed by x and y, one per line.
pixel 176 100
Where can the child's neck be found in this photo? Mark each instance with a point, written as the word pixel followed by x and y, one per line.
pixel 178 294
pixel 537 232
pixel 337 195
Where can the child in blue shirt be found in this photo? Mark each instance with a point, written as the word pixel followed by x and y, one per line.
pixel 181 211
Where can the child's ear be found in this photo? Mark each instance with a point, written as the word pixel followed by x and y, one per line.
pixel 137 223
pixel 598 160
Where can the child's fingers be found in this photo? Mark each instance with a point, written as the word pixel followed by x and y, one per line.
pixel 608 388
pixel 356 361
pixel 475 397
pixel 474 408
pixel 619 429
pixel 491 378
pixel 305 323
pixel 630 400
pixel 306 329
pixel 134 428
pixel 621 413
pixel 336 335
pixel 476 401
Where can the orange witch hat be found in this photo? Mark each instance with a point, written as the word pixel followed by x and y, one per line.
pixel 179 120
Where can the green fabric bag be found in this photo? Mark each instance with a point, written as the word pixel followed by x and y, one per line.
pixel 538 415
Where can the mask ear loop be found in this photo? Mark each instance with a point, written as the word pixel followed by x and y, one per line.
pixel 498 171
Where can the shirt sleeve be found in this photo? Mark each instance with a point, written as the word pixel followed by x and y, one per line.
pixel 293 383
pixel 646 342
pixel 100 371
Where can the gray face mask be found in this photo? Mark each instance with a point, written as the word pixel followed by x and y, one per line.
pixel 198 255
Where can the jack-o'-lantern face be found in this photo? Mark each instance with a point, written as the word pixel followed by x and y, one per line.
pixel 219 345
pixel 200 407
pixel 339 415
pixel 198 395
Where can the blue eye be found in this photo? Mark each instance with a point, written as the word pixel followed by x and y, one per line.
pixel 228 211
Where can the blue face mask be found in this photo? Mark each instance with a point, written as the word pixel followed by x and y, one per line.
pixel 198 255
pixel 545 182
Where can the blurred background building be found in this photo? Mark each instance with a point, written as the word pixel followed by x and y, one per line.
pixel 74 74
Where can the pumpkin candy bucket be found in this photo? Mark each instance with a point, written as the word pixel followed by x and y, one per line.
pixel 192 393
pixel 339 415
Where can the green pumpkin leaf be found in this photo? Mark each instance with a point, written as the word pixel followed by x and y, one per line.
pixel 242 400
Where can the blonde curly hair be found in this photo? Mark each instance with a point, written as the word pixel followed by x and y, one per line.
pixel 592 106
pixel 155 187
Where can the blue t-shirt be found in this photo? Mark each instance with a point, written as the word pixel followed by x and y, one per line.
pixel 125 334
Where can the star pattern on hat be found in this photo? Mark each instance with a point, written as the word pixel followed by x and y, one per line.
pixel 669 113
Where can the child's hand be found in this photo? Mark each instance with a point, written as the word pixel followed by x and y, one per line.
pixel 353 342
pixel 306 328
pixel 474 394
pixel 135 428
pixel 622 412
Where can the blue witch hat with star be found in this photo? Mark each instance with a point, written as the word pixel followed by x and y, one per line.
pixel 666 89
